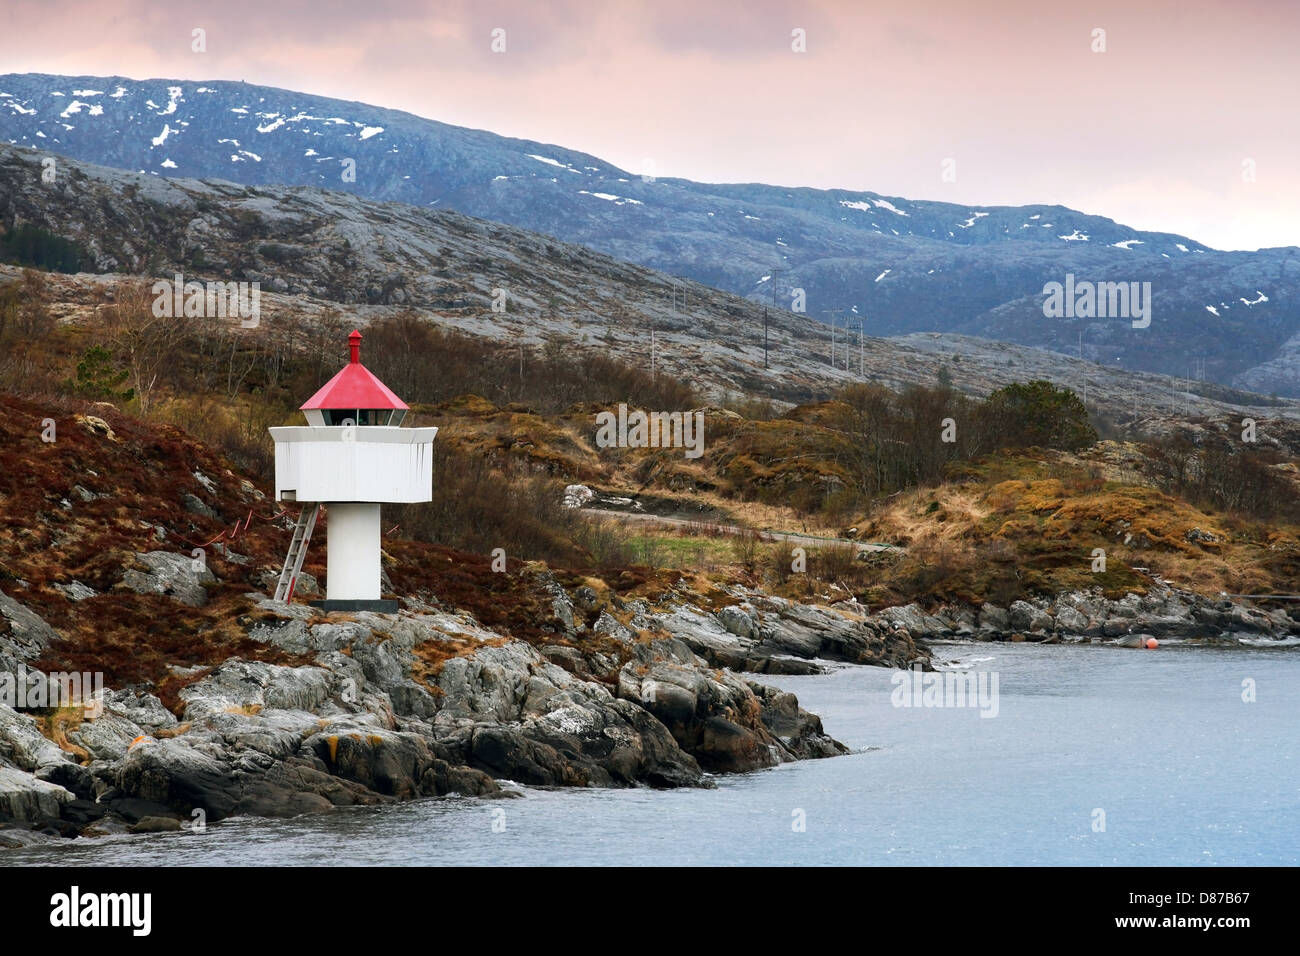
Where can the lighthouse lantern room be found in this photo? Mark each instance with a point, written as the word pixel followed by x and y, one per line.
pixel 351 456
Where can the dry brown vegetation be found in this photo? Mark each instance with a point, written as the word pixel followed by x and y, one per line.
pixel 979 521
pixel 141 470
pixel 998 536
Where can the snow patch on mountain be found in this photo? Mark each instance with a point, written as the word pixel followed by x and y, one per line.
pixel 610 197
pixel 76 106
pixel 547 160
pixel 173 97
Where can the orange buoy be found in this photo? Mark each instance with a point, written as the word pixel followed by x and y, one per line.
pixel 1151 644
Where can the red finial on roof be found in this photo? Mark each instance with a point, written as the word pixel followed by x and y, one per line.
pixel 354 343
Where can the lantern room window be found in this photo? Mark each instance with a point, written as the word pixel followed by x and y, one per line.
pixel 364 416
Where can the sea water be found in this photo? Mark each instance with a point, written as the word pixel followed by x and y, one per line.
pixel 1185 755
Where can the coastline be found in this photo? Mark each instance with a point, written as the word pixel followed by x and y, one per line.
pixel 426 702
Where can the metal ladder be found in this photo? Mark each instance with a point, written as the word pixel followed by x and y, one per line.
pixel 297 552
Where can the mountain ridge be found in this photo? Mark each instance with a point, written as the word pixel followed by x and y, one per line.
pixel 900 265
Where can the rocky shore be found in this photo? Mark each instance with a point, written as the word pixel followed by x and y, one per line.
pixel 426 702
pixel 1081 616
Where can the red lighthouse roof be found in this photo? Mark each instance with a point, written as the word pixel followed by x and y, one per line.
pixel 355 387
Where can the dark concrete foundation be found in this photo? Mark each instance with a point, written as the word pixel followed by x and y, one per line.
pixel 382 607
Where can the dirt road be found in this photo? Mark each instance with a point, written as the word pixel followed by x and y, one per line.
pixel 794 537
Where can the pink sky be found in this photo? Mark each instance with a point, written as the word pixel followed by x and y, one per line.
pixel 1153 132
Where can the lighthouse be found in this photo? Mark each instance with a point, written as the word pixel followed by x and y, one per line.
pixel 351 457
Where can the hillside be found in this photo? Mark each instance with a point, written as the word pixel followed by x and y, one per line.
pixel 601 653
pixel 314 251
pixel 907 266
pixel 131 551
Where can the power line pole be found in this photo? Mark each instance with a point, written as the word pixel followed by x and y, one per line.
pixel 775 278
pixel 673 289
pixel 676 287
pixel 764 335
pixel 833 313
pixel 862 366
pixel 1084 371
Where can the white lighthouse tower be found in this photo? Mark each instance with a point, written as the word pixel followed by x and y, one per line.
pixel 351 457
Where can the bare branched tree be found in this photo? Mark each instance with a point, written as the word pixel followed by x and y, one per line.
pixel 143 342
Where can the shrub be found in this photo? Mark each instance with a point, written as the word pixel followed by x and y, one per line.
pixel 836 563
pixel 481 504
pixel 1038 413
pixel 745 548
pixel 782 558
pixel 98 378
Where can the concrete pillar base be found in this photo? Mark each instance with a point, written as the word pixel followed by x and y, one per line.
pixel 353 543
